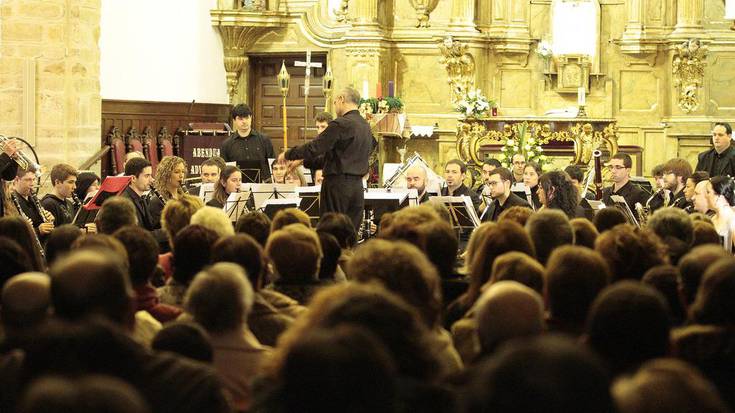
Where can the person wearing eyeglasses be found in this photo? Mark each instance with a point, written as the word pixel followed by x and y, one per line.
pixel 498 184
pixel 620 165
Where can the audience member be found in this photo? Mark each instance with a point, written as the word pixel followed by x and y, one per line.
pixel 704 233
pixel 185 339
pixel 693 265
pixel 675 229
pixel 215 219
pixel 58 243
pixel 115 213
pixel 519 267
pixel 518 214
pixel 295 253
pixel 289 216
pixel 630 252
pixel 549 229
pixel 608 218
pixel 20 231
pixel 585 232
pixel 256 224
pixel 24 305
pixel 13 260
pixel 665 280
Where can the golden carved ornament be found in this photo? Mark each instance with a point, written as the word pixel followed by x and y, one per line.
pixel 460 67
pixel 343 11
pixel 688 73
pixel 423 10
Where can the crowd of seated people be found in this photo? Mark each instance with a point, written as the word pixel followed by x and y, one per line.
pixel 543 310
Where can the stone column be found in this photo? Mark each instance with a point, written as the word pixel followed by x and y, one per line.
pixel 463 15
pixel 366 13
pixel 689 17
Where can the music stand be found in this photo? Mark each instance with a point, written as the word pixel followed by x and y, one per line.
pixel 461 211
pixel 591 207
pixel 272 206
pixel 619 202
pixel 206 191
pixel 310 201
pixel 236 205
pixel 263 192
pixel 111 186
pixel 250 170
pixel 380 200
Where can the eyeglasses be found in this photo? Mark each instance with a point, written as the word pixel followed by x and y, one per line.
pixel 616 167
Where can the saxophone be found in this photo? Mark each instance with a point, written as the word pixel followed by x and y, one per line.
pixel 36 239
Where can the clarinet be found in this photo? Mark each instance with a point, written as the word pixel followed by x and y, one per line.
pixel 14 197
pixel 158 195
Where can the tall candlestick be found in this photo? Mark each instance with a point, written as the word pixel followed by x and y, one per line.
pixel 395 78
pixel 379 90
pixel 391 86
pixel 365 93
pixel 580 96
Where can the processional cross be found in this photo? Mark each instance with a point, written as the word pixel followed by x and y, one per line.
pixel 308 64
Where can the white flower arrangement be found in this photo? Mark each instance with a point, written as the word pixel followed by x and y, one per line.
pixel 524 143
pixel 474 104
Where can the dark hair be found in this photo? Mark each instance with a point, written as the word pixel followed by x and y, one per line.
pixel 331 252
pixel 699 176
pixel 574 277
pixel 704 233
pixel 493 162
pixel 679 167
pixel 244 250
pixel 20 231
pixel 536 167
pixel 574 172
pixel 725 186
pixel 219 188
pixel 560 192
pixel 256 224
pixel 694 264
pixel 607 218
pixel 187 339
pixel 242 110
pixel 630 252
pixel 715 302
pixel 504 173
pixel 60 172
pixel 725 125
pixel 548 230
pixel 439 242
pixel 518 214
pixel 658 171
pixel 59 241
pixel 462 165
pixel 13 260
pixel 672 222
pixel 214 161
pixel 340 226
pixel 629 324
pixel 585 233
pixel 191 252
pixel 142 251
pixel 323 117
pixel 115 213
pixel 135 166
pixel 84 181
pixel 627 161
pixel 664 278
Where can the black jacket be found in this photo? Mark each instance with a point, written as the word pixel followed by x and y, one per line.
pixel 717 164
pixel 8 169
pixel 463 190
pixel 254 147
pixel 631 192
pixel 493 211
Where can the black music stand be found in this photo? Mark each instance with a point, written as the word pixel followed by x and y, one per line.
pixel 378 201
pixel 264 192
pixel 272 206
pixel 250 171
pixel 619 203
pixel 591 207
pixel 310 202
pixel 236 204
pixel 461 212
pixel 110 186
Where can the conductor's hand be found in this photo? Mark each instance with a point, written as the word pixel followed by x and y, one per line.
pixel 292 165
pixel 282 157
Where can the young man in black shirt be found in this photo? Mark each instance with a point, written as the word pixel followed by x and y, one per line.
pixel 620 165
pixel 499 183
pixel 59 201
pixel 42 221
pixel 247 144
pixel 676 172
pixel 720 160
pixel 142 175
pixel 454 173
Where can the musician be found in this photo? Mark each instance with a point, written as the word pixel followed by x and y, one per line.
pixel 279 170
pixel 87 184
pixel 247 144
pixel 531 173
pixel 41 220
pixel 577 177
pixel 620 165
pixel 170 176
pixel 59 201
pixel 141 173
pixel 416 178
pixel 689 188
pixel 209 171
pixel 454 173
pixel 498 184
pixel 720 160
pixel 556 191
pixel 321 121
pixel 518 162
pixel 661 196
pixel 229 182
pixel 8 168
pixel 676 173
pixel 487 168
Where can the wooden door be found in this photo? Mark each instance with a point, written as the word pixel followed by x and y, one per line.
pixel 267 102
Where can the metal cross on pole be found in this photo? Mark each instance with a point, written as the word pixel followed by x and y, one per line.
pixel 308 64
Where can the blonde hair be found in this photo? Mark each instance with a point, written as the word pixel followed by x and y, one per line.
pixel 214 219
pixel 163 174
pixel 177 214
pixel 289 216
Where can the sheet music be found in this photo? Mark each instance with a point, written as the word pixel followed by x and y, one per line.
pixel 206 191
pixel 236 205
pixel 263 192
pixel 468 211
pixel 620 203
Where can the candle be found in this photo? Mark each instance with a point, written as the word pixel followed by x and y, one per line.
pixel 391 87
pixel 365 92
pixel 379 91
pixel 395 77
pixel 580 96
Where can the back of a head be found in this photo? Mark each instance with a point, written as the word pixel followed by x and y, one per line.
pixel 507 310
pixel 13 260
pixel 115 213
pixel 628 324
pixel 693 265
pixel 403 269
pixel 548 374
pixel 608 218
pixel 192 252
pixel 585 232
pixel 519 214
pixel 243 250
pixel 672 222
pixel 142 251
pixel 256 224
pixel 91 283
pixel 340 226
pixel 25 302
pixel 704 233
pixel 89 394
pixel 630 252
pixel 59 241
pixel 185 339
pixel 215 219
pixel 331 252
pixel 178 212
pixel 282 245
pixel 715 301
pixel 439 243
pixel 519 267
pixel 289 216
pixel 349 364
pixel 574 277
pixel 665 279
pixel 667 386
pixel 549 229
pixel 220 298
pixel 20 231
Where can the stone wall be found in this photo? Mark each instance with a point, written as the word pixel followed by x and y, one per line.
pixel 49 77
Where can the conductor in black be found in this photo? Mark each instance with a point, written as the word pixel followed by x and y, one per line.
pixel 346 145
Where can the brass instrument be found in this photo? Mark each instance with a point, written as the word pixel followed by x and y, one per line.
pixel 20 158
pixel 16 202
